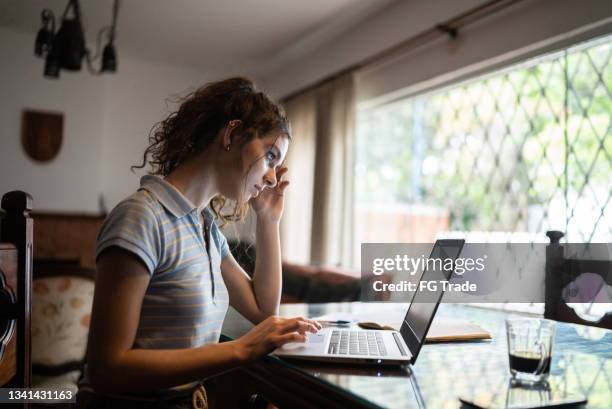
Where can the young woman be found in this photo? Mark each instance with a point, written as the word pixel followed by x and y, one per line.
pixel 165 275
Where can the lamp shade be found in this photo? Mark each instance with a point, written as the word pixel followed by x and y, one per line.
pixel 44 38
pixel 52 62
pixel 71 44
pixel 109 59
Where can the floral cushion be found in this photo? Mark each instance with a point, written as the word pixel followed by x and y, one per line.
pixel 61 310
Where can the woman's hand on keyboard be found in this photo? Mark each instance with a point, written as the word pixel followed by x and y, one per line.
pixel 272 333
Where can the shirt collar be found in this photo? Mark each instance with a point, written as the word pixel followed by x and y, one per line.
pixel 167 195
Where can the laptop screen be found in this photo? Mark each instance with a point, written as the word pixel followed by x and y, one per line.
pixel 425 303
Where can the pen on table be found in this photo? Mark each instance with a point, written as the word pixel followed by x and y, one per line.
pixel 336 323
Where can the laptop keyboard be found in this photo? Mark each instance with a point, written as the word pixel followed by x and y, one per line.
pixel 346 342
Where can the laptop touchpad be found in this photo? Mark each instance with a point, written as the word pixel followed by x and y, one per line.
pixel 315 338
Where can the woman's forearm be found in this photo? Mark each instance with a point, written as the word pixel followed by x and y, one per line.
pixel 145 370
pixel 267 277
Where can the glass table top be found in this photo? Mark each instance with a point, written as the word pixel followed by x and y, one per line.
pixel 581 363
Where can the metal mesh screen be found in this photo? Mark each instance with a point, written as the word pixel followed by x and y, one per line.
pixel 522 150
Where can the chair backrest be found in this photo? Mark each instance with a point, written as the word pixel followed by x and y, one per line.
pixel 15 289
pixel 575 279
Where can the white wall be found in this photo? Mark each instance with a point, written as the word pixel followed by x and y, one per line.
pixel 106 124
pixel 401 20
pixel 71 181
pixel 506 35
pixel 139 95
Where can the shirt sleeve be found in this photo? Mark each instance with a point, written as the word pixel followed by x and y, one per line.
pixel 132 225
pixel 220 240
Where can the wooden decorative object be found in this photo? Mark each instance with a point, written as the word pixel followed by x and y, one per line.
pixel 67 237
pixel 41 134
pixel 16 228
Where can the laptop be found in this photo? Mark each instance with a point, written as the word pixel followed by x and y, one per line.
pixel 381 347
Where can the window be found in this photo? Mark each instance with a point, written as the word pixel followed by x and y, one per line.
pixel 511 154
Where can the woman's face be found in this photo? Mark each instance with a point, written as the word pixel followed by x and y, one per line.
pixel 260 159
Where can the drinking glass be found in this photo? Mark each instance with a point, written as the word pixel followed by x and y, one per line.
pixel 530 345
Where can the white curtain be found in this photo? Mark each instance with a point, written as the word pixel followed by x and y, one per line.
pixel 297 217
pixel 318 222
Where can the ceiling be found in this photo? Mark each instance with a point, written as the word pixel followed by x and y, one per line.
pixel 256 37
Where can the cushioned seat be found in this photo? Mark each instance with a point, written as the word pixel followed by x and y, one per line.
pixel 62 297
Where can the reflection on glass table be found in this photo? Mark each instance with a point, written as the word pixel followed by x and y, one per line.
pixel 517 395
pixel 581 361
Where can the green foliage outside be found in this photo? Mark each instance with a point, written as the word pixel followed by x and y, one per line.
pixel 499 149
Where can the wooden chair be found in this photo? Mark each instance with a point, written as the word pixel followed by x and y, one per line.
pixel 62 294
pixel 561 272
pixel 15 289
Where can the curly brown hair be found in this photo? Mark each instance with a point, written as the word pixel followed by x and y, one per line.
pixel 201 114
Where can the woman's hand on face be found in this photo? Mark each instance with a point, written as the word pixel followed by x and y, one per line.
pixel 272 333
pixel 269 203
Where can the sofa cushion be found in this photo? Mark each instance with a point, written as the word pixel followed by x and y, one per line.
pixel 61 310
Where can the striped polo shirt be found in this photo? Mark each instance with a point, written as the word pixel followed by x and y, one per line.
pixel 186 300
